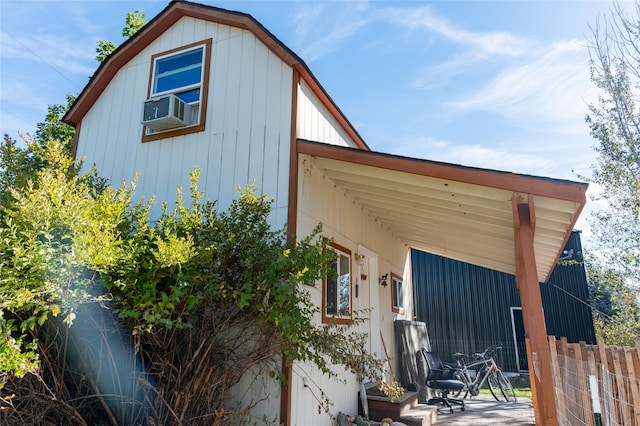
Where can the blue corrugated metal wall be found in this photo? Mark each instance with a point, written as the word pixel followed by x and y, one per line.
pixel 467 307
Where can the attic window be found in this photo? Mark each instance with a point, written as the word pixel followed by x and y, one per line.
pixel 183 73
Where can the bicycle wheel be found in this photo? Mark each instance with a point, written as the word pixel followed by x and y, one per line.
pixel 494 385
pixel 459 375
pixel 505 387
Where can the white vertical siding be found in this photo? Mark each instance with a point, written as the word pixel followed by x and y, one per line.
pixel 350 225
pixel 246 139
pixel 124 164
pixel 247 132
pixel 258 114
pixel 230 106
pixel 315 123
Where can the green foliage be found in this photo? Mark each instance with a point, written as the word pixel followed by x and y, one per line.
pixel 51 234
pixel 54 235
pixel 16 355
pixel 104 49
pixel 206 293
pixel 53 128
pixel 615 308
pixel 133 22
pixel 196 258
pixel 616 330
pixel 615 123
pixel 18 165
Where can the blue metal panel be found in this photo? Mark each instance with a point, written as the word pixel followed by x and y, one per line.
pixel 467 307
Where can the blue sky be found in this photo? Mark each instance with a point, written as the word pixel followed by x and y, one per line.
pixel 501 85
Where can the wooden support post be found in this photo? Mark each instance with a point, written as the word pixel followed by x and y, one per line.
pixel 539 356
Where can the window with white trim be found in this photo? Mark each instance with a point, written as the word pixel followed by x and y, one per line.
pixel 336 288
pixel 397 295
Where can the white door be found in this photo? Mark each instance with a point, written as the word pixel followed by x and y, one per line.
pixel 368 297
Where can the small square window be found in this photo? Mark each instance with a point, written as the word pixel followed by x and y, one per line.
pixel 336 288
pixel 397 295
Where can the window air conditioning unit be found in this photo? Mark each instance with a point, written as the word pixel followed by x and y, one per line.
pixel 165 113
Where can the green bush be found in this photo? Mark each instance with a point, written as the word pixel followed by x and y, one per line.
pixel 123 319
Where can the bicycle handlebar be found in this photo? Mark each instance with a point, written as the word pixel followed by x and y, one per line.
pixel 479 355
pixel 489 350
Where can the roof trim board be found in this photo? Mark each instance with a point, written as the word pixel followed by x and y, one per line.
pixel 565 190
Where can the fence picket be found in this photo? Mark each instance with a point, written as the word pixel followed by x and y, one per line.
pixel 603 354
pixel 617 370
pixel 558 382
pixel 585 400
pixel 633 385
pixel 619 378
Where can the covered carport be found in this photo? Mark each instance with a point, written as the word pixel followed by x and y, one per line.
pixel 513 223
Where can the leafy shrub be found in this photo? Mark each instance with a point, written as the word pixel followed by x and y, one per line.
pixel 123 319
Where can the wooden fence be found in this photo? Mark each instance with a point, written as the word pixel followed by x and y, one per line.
pixel 591 379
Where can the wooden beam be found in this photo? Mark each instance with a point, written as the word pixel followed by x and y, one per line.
pixel 532 213
pixel 538 353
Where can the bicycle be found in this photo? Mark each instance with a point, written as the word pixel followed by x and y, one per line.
pixel 487 371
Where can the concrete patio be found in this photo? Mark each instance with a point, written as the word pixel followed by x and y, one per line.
pixel 485 410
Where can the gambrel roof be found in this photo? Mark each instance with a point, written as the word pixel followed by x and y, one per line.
pixel 169 16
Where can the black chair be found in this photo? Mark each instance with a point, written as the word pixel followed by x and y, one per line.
pixel 441 378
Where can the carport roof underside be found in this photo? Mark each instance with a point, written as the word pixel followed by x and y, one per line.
pixel 454 211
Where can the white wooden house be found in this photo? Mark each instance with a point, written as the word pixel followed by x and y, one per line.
pixel 205 87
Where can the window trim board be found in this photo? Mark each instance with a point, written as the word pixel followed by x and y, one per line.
pixel 397 308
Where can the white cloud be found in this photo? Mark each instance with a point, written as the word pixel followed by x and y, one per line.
pixel 439 74
pixel 473 155
pixel 551 87
pixel 305 20
pixel 484 44
pixel 535 85
pixel 471 52
pixel 328 25
pixel 541 89
pixel 329 42
pixel 68 57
